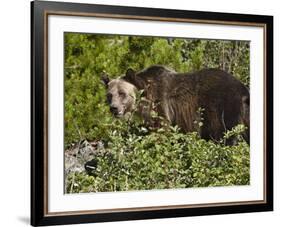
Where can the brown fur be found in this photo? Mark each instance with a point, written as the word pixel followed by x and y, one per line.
pixel 178 96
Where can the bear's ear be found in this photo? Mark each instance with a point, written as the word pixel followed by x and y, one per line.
pixel 105 79
pixel 130 72
pixel 130 75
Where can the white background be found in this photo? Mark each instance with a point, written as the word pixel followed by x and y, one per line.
pixel 15 111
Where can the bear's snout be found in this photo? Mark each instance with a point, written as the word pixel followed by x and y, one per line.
pixel 114 110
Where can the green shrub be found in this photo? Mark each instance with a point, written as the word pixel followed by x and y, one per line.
pixel 136 159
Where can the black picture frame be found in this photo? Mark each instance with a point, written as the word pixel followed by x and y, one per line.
pixel 39 109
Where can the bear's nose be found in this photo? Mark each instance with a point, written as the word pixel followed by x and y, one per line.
pixel 114 109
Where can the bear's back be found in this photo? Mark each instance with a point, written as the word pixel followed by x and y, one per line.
pixel 178 96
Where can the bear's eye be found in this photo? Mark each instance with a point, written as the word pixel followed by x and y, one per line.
pixel 109 97
pixel 121 94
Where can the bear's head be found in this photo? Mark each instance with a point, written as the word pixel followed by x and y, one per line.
pixel 121 96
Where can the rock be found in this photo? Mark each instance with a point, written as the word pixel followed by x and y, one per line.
pixel 81 156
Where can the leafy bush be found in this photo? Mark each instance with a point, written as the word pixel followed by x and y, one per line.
pixel 138 159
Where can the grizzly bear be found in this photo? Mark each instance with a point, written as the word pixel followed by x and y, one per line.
pixel 177 97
